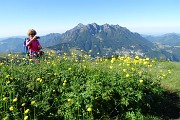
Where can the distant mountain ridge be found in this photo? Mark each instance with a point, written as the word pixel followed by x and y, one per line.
pixel 11 45
pixel 106 40
pixel 168 42
pixel 101 38
pixel 50 39
pixel 171 39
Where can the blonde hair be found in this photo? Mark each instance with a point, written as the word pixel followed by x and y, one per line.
pixel 31 32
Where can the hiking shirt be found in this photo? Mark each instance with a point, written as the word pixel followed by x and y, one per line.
pixel 33 46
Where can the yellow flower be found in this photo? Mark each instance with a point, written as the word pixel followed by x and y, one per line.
pixel 26 111
pixel 4 99
pixel 23 104
pixel 30 60
pixel 164 75
pixel 6 118
pixel 26 117
pixel 124 70
pixel 7 76
pixel 1 64
pixel 121 58
pixel 65 58
pixel 39 79
pixel 141 81
pixel 137 57
pixel 169 71
pixel 132 69
pixel 64 84
pixel 7 82
pixel 149 66
pixel 15 100
pixel 90 51
pixel 11 108
pixel 127 75
pixel 89 109
pixel 136 61
pixel 69 68
pixel 69 100
pixel 65 81
pixel 52 51
pixel 113 60
pixel 147 59
pixel 32 102
pixel 145 63
pixel 111 67
pixel 53 64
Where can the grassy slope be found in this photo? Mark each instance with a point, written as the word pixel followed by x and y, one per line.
pixel 171 82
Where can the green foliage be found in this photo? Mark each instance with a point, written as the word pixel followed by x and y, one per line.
pixel 78 87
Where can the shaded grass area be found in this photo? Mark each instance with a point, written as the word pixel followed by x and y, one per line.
pixel 172 107
pixel 169 106
pixel 171 84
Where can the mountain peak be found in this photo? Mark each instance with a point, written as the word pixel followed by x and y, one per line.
pixel 80 25
pixel 94 25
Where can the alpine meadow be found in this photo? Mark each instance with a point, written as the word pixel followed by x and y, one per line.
pixel 91 72
pixel 78 86
pixel 90 60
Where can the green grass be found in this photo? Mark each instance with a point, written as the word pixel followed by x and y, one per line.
pixel 64 87
pixel 171 82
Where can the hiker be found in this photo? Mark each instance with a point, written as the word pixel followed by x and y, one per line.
pixel 33 44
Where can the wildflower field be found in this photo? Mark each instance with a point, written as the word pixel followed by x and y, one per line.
pixel 63 87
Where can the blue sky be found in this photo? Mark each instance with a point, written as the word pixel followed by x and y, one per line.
pixel 58 16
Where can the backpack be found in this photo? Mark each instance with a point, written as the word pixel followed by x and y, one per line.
pixel 25 46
